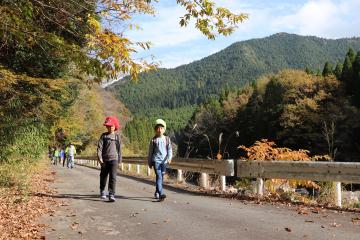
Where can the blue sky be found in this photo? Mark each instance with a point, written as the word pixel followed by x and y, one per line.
pixel 174 45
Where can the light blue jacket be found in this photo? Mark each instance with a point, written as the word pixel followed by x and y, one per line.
pixel 160 150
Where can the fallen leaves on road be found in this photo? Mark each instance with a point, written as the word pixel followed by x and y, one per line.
pixel 19 209
pixel 303 211
pixel 134 214
pixel 74 225
pixel 355 220
pixel 334 224
pixel 315 210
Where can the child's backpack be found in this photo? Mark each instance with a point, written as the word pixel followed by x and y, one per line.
pixel 167 142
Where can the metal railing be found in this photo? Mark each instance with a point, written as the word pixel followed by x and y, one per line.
pixel 222 168
pixel 337 172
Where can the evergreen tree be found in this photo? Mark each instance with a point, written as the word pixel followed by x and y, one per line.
pixel 338 70
pixel 356 65
pixel 351 55
pixel 356 80
pixel 318 73
pixel 308 70
pixel 347 74
pixel 327 69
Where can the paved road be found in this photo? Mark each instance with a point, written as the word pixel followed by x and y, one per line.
pixel 186 216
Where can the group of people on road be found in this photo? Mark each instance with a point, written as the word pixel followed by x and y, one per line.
pixel 60 155
pixel 109 156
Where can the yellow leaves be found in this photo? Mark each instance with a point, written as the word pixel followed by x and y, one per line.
pixel 210 19
pixel 134 26
pixel 93 23
pixel 41 97
pixel 114 51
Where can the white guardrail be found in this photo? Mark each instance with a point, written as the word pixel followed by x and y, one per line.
pixel 204 166
pixel 337 172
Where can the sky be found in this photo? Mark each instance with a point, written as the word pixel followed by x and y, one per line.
pixel 173 45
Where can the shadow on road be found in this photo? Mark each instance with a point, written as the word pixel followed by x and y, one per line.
pixel 166 186
pixel 93 197
pixel 89 197
pixel 171 188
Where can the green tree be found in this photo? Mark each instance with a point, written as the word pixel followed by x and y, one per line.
pixel 327 69
pixel 308 70
pixel 356 80
pixel 351 55
pixel 347 74
pixel 338 70
pixel 43 38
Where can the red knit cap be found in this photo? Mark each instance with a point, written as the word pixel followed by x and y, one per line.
pixel 112 121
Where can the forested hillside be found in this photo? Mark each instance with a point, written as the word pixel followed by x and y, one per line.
pixel 320 113
pixel 234 66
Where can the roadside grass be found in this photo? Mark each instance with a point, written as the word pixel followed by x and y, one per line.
pixel 16 174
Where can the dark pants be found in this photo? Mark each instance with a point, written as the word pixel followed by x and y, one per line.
pixel 108 168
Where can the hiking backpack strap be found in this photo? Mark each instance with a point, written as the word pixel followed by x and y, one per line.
pixel 167 141
pixel 117 141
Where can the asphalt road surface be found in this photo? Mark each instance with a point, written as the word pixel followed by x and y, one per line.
pixel 183 215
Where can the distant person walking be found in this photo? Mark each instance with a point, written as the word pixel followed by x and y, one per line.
pixel 62 156
pixel 109 156
pixel 160 153
pixel 56 155
pixel 51 154
pixel 70 153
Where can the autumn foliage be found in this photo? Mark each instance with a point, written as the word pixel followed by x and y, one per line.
pixel 265 150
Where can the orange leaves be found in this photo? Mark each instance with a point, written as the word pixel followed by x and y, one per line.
pixel 17 217
pixel 265 150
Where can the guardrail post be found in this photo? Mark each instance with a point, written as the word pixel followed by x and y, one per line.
pixel 179 176
pixel 122 167
pixel 337 186
pixel 223 183
pixel 260 186
pixel 138 169
pixel 204 180
pixel 129 167
pixel 148 171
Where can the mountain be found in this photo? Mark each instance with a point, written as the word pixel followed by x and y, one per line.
pixel 233 67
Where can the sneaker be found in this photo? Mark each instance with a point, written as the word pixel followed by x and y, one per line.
pixel 102 195
pixel 162 197
pixel 111 198
pixel 156 195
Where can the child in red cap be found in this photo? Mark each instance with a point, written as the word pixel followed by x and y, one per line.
pixel 109 156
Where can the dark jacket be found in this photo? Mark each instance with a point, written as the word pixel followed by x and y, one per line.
pixel 109 147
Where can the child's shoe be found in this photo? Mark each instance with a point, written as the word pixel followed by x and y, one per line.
pixel 156 195
pixel 162 197
pixel 111 198
pixel 102 195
